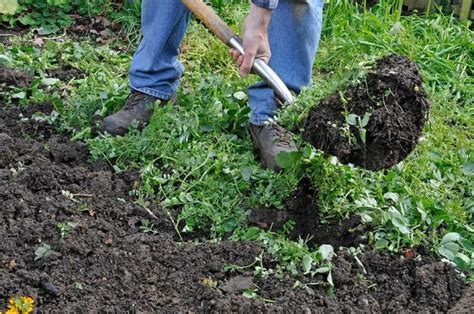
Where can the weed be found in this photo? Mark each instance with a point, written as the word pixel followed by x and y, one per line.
pixel 49 16
pixel 250 293
pixel 66 227
pixel 42 251
pixel 23 305
pixel 360 123
pixel 147 227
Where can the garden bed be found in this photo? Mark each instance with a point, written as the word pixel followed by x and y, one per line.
pixel 74 239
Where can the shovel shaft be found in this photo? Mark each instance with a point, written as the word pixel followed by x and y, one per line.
pixel 210 19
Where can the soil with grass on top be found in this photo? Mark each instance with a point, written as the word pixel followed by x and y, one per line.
pixel 107 262
pixel 394 97
pixel 301 208
pixel 23 79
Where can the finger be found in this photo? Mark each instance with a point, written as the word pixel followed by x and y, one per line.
pixel 247 64
pixel 265 58
pixel 240 61
pixel 235 55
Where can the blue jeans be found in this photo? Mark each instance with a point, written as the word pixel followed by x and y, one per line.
pixel 294 34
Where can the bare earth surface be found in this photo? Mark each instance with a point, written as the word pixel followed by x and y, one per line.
pixel 106 262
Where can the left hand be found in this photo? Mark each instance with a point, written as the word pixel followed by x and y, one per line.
pixel 254 40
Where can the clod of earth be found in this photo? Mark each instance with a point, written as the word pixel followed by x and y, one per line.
pixel 107 263
pixel 99 28
pixel 14 77
pixel 375 124
pixel 66 73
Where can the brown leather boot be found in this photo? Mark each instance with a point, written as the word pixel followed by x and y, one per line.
pixel 269 141
pixel 138 107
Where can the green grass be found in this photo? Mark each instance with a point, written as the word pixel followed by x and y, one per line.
pixel 198 158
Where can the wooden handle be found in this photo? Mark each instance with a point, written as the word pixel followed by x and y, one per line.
pixel 210 19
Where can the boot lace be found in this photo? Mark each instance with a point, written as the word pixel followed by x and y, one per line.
pixel 281 135
pixel 133 99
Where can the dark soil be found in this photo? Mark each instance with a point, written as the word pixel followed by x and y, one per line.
pixel 466 303
pixel 14 77
pixel 98 28
pixel 67 73
pixel 301 208
pixel 394 96
pixel 107 262
pixel 385 283
pixel 6 32
pixel 368 3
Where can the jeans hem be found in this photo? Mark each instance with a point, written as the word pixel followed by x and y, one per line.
pixel 154 93
pixel 258 122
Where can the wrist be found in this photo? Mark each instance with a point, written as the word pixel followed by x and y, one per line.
pixel 267 4
pixel 260 15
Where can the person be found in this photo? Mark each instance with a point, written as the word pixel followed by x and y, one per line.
pixel 284 33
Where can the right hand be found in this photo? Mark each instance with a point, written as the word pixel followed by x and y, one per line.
pixel 254 40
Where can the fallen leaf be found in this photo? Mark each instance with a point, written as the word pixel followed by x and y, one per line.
pixel 38 42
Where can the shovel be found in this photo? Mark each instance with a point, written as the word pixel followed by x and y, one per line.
pixel 231 39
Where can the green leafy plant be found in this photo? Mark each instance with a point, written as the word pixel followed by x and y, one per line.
pixel 147 227
pixel 50 16
pixel 66 227
pixel 322 257
pixel 360 124
pixel 458 250
pixel 42 251
pixel 8 7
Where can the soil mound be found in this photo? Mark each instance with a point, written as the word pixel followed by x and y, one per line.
pixel 376 282
pixel 75 241
pixel 375 124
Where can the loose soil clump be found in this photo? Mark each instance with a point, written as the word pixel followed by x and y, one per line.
pixel 66 73
pixel 396 103
pixel 73 238
pixel 14 77
pixel 98 28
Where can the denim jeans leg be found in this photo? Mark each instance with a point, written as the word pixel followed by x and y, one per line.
pixel 155 69
pixel 294 33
